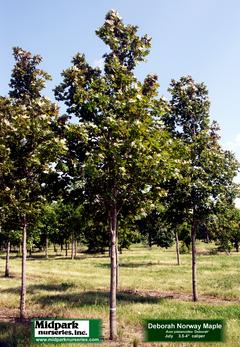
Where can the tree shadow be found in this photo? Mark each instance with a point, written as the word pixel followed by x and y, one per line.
pixel 12 275
pixel 35 288
pixel 89 298
pixel 136 265
pixel 60 257
pixel 15 334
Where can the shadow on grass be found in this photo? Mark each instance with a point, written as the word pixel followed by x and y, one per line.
pixel 32 289
pixel 136 265
pixel 90 298
pixel 9 277
pixel 15 334
pixel 60 257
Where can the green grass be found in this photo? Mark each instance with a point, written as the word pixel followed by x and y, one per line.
pixel 151 286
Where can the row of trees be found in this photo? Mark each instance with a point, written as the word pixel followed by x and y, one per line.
pixel 121 155
pixel 62 226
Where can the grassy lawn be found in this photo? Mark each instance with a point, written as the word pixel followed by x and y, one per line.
pixel 151 286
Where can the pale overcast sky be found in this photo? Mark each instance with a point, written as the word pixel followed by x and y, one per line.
pixel 200 38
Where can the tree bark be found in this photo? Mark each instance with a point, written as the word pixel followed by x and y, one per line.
pixel 20 249
pixel 236 246
pixel 66 250
pixel 177 249
pixel 7 270
pixel 149 241
pixel 23 275
pixel 194 274
pixel 113 277
pixel 46 247
pixel 73 248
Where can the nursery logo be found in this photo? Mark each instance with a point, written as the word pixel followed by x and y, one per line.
pixel 66 330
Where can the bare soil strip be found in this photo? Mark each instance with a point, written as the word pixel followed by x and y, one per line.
pixel 180 296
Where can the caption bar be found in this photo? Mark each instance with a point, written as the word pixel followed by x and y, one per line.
pixel 184 330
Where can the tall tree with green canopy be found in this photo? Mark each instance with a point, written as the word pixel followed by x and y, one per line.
pixel 6 166
pixel 33 146
pixel 207 171
pixel 119 146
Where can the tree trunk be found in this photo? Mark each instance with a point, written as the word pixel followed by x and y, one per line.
pixel 20 249
pixel 7 271
pixel 149 241
pixel 23 275
pixel 177 249
pixel 207 238
pixel 73 247
pixel 227 251
pixel 55 248
pixel 236 246
pixel 194 276
pixel 113 278
pixel 46 247
pixel 66 250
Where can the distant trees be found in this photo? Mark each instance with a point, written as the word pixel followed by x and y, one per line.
pixel 223 226
pixel 156 230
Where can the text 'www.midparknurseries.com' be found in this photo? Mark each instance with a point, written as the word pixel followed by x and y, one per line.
pixel 66 330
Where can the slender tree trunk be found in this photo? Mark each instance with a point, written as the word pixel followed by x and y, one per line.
pixel 227 251
pixel 23 275
pixel 7 270
pixel 73 246
pixel 194 275
pixel 177 249
pixel 149 241
pixel 113 278
pixel 236 246
pixel 55 248
pixel 207 238
pixel 46 247
pixel 20 249
pixel 66 250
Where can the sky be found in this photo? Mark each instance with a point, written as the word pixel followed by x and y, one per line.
pixel 189 37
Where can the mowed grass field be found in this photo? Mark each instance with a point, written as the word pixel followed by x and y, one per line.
pixel 151 286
